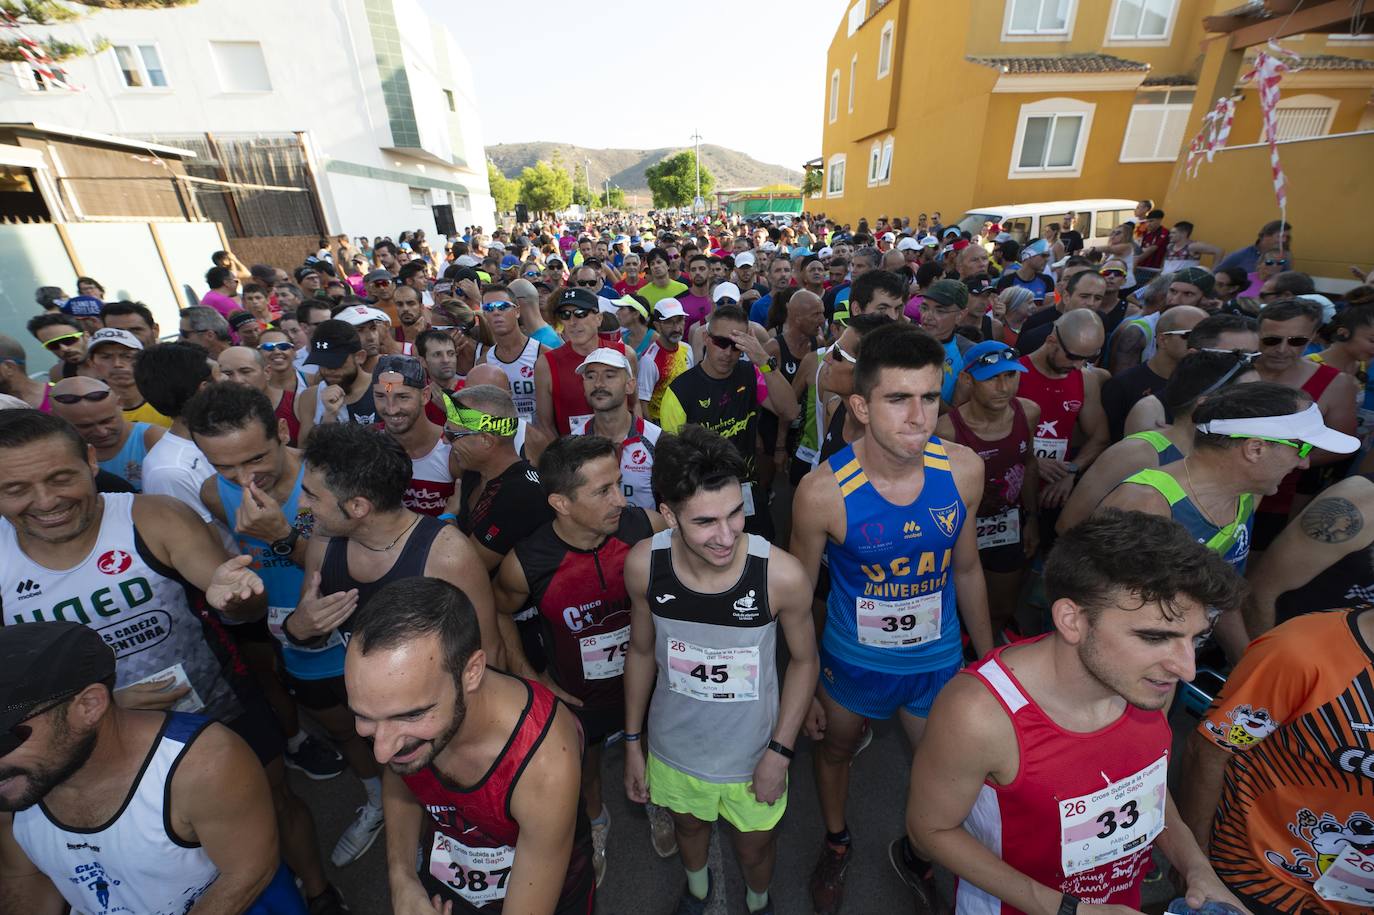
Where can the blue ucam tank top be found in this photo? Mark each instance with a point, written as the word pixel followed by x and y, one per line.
pixel 283 579
pixel 128 463
pixel 891 606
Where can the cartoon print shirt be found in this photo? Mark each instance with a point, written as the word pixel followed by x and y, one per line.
pixel 1297 715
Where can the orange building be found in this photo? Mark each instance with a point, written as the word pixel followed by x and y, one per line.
pixel 952 106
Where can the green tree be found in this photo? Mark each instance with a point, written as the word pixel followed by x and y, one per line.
pixel 61 12
pixel 812 183
pixel 545 187
pixel 673 182
pixel 615 200
pixel 581 193
pixel 503 190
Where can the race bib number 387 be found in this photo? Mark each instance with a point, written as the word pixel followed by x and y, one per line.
pixel 479 875
pixel 1116 821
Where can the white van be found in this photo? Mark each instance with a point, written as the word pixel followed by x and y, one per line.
pixel 1094 218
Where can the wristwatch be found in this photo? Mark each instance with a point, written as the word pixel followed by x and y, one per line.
pixel 286 545
pixel 1068 905
pixel 770 365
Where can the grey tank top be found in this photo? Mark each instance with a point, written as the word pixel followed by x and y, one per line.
pixel 716 698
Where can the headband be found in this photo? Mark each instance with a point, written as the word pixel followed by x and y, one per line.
pixel 477 421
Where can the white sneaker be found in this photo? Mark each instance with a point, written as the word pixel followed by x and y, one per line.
pixel 600 831
pixel 358 837
pixel 661 830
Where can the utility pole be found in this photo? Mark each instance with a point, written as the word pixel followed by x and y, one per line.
pixel 696 137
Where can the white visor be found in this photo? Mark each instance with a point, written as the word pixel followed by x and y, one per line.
pixel 1306 426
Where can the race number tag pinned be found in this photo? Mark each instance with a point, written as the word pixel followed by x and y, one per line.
pixel 1054 449
pixel 189 703
pixel 713 674
pixel 1349 878
pixel 999 530
pixel 479 875
pixel 1118 820
pixel 603 656
pixel 899 623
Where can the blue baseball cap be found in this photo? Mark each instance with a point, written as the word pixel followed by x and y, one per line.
pixel 510 260
pixel 1039 246
pixel 82 306
pixel 991 357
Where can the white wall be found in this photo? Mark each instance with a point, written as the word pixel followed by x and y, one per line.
pixel 324 80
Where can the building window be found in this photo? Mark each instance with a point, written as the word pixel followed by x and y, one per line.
pixel 28 79
pixel 1038 17
pixel 834 96
pixel 419 197
pixel 1143 20
pixel 885 49
pixel 853 74
pixel 448 97
pixel 1299 117
pixel 875 155
pixel 1159 119
pixel 1051 136
pixel 140 66
pixel 834 182
pixel 241 66
pixel 880 162
pixel 885 166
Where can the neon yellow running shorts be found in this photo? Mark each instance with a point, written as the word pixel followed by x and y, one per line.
pixel 683 793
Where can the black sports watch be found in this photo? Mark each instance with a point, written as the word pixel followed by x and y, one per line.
pixel 1068 905
pixel 286 545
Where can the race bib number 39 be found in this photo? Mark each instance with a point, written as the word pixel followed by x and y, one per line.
pixel 1349 878
pixel 899 623
pixel 1054 449
pixel 479 875
pixel 603 656
pixel 1098 828
pixel 713 674
pixel 999 530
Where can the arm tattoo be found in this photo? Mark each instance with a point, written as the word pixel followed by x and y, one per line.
pixel 1332 520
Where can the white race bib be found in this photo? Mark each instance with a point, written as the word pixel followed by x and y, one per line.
pixel 276 624
pixel 191 702
pixel 999 530
pixel 747 491
pixel 807 455
pixel 1349 878
pixel 479 875
pixel 899 623
pixel 1114 822
pixel 1055 449
pixel 713 674
pixel 603 656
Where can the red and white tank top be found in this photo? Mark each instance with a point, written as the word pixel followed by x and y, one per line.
pixel 1060 400
pixel 636 459
pixel 1083 810
pixel 431 483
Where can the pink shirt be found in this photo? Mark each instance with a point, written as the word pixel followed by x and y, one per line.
pixel 220 302
pixel 697 308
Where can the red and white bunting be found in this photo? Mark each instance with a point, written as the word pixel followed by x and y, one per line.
pixel 1216 128
pixel 37 57
pixel 1270 65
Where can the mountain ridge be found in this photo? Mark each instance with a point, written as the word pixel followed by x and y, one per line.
pixel 625 167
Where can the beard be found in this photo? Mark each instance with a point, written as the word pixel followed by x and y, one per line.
pixel 1101 668
pixel 78 750
pixel 436 744
pixel 83 524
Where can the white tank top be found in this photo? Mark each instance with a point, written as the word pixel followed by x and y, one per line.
pixel 132 863
pixel 431 484
pixel 636 458
pixel 520 373
pixel 137 604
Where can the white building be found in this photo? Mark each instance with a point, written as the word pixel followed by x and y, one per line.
pixel 368 102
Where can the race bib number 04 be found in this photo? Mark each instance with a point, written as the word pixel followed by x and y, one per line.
pixel 999 530
pixel 1118 820
pixel 479 875
pixel 899 623
pixel 1054 449
pixel 713 674
pixel 1349 878
pixel 603 656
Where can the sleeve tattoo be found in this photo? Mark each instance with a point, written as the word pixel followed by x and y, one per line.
pixel 1332 520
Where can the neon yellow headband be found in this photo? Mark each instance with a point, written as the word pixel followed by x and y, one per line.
pixel 477 421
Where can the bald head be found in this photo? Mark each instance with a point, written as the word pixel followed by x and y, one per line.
pixel 100 423
pixel 79 385
pixel 523 291
pixel 1081 330
pixel 1180 317
pixel 243 365
pixel 11 349
pixel 486 373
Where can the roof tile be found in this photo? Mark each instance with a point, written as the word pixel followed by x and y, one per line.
pixel 1061 63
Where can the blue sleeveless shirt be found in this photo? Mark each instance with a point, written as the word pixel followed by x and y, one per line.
pixel 128 463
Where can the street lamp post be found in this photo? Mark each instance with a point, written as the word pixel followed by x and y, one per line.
pixel 697 202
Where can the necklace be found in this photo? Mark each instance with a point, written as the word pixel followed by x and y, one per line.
pixel 1197 500
pixel 392 543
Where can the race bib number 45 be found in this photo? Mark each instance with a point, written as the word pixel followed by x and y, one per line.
pixel 899 623
pixel 479 875
pixel 713 674
pixel 1116 821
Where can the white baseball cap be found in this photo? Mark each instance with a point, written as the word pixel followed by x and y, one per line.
pixel 889 236
pixel 908 244
pixel 114 335
pixel 670 308
pixel 725 291
pixel 744 259
pixel 358 315
pixel 604 355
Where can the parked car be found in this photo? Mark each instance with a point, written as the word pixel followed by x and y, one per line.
pixel 1094 218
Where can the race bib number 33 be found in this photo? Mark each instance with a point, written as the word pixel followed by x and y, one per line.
pixel 1116 821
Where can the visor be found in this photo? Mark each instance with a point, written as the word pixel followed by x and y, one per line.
pixel 477 421
pixel 1306 427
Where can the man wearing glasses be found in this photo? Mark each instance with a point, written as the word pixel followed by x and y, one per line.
pixel 1122 391
pixel 381 293
pixel 93 410
pixel 513 353
pixel 559 397
pixel 62 336
pixel 1285 330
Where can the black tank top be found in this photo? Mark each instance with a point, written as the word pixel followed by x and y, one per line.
pixel 1348 582
pixel 834 441
pixel 411 563
pixel 789 362
pixel 364 411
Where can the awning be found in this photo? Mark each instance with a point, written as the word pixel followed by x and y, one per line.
pixel 22 157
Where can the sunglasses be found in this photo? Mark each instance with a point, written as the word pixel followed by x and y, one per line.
pixel 281 347
pixel 1006 355
pixel 1304 448
pixel 722 342
pixel 380 283
pixel 1175 333
pixel 567 314
pixel 1244 361
pixel 1112 271
pixel 1272 262
pixel 531 274
pixel 64 340
pixel 21 732
pixel 1295 342
pixel 92 396
pixel 1077 357
pixel 589 284
pixel 497 306
pixel 452 435
pixel 839 353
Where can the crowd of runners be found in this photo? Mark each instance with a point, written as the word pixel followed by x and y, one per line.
pixel 452 517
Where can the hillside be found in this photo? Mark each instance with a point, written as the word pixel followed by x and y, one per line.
pixel 625 167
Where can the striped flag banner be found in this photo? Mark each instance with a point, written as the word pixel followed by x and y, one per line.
pixel 1216 129
pixel 36 56
pixel 1270 65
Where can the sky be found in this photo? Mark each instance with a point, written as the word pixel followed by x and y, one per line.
pixel 643 74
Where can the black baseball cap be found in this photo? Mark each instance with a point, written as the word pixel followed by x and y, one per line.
pixel 332 343
pixel 980 284
pixel 578 297
pixel 411 370
pixel 44 662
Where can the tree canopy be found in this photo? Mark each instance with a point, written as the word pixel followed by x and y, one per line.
pixel 673 182
pixel 545 187
pixel 503 190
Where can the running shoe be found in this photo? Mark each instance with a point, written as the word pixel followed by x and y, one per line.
pixel 917 875
pixel 691 905
pixel 827 880
pixel 358 837
pixel 661 830
pixel 330 902
pixel 600 831
pixel 315 759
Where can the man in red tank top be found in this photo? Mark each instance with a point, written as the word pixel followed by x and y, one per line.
pixel 1042 779
pixel 482 768
pixel 558 393
pixel 1285 329
pixel 1067 396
